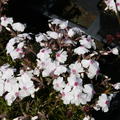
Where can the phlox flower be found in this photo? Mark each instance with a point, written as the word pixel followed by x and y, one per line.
pixel 103 102
pixel 44 54
pixel 74 80
pixel 59 69
pixel 115 51
pixel 81 50
pixel 12 94
pixel 49 69
pixel 6 21
pixel 73 31
pixel 60 23
pixel 61 56
pixel 54 35
pixel 116 86
pixel 93 69
pixel 26 85
pixel 58 84
pixel 76 68
pixel 88 89
pixel 87 42
pixel 41 38
pixel 19 27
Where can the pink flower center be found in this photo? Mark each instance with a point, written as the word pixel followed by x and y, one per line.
pixel 7 81
pixel 63 94
pixel 73 71
pixel 17 94
pixel 42 51
pixel 24 88
pixel 58 55
pixel 18 49
pixel 91 61
pixel 57 85
pixel 107 102
pixel 97 72
pixel 78 96
pixel 118 4
pixel 93 92
pixel 88 39
pixel 76 84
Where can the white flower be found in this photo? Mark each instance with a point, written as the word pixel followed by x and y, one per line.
pixel 87 42
pixel 71 33
pixel 19 27
pixel 58 84
pixel 78 96
pixel 76 68
pixel 8 73
pixel 104 102
pixel 85 63
pixel 93 69
pixel 66 97
pixel 6 21
pixel 117 86
pixel 24 36
pixel 81 50
pixel 115 51
pixel 49 69
pixel 74 81
pixel 10 98
pixel 63 25
pixel 41 37
pixel 43 64
pixel 60 23
pixel 44 54
pixel 61 56
pixel 53 35
pixel 26 85
pixel 88 89
pixel 13 92
pixel 17 53
pixel 60 69
pixel 11 85
pixel 15 46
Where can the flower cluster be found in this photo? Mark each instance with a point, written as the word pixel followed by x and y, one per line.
pixel 67 56
pixel 12 86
